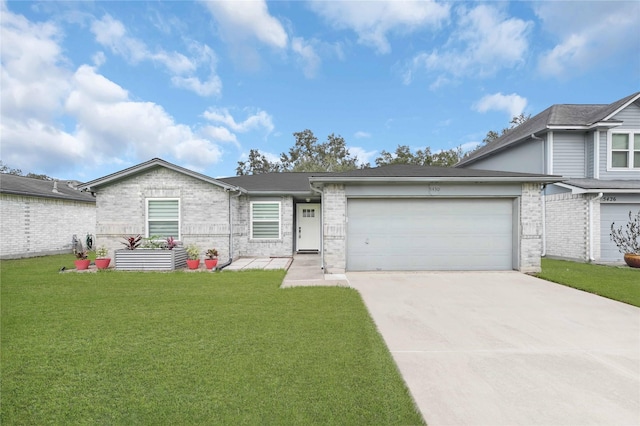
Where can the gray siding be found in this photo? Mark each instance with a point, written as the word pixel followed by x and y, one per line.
pixel 569 154
pixel 527 157
pixel 589 148
pixel 631 120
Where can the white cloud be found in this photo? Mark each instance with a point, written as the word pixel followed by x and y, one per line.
pixel 55 119
pixel 308 58
pixel 374 21
pixel 112 34
pixel 242 20
pixel 512 104
pixel 256 121
pixel 361 134
pixel 485 41
pixel 593 35
pixel 363 155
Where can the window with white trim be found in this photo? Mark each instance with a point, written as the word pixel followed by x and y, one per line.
pixel 265 220
pixel 625 150
pixel 163 217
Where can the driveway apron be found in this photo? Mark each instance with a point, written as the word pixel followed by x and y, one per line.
pixel 504 348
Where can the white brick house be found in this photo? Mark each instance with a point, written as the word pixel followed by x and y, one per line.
pixel 39 217
pixel 388 218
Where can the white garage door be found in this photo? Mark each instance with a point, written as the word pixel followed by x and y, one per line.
pixel 419 234
pixel 609 213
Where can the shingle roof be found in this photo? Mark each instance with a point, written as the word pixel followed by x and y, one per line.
pixel 20 185
pixel 569 115
pixel 596 184
pixel 286 182
pixel 415 171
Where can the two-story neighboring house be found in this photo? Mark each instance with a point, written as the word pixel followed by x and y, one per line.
pixel 596 148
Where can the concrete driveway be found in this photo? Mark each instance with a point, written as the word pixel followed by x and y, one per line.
pixel 504 348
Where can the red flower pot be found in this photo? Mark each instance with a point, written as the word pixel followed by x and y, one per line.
pixel 193 264
pixel 103 263
pixel 82 264
pixel 211 263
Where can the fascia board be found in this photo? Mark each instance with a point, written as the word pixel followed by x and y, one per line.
pixel 464 179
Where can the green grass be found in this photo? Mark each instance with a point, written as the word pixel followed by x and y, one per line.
pixel 189 348
pixel 617 283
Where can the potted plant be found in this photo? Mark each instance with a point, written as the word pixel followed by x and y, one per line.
pixel 627 238
pixel 193 256
pixel 212 258
pixel 102 261
pixel 82 261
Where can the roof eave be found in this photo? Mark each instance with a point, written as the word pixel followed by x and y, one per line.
pixel 578 190
pixel 441 179
pixel 114 177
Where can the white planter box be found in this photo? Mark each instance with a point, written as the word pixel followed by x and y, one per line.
pixel 142 259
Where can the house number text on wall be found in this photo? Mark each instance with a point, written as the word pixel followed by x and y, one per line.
pixel 433 188
pixel 609 199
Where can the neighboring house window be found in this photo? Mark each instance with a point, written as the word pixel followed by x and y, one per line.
pixel 625 150
pixel 265 220
pixel 163 217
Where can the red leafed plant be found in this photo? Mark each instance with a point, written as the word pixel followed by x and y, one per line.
pixel 131 242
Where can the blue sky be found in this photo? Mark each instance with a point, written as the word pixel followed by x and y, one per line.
pixel 90 88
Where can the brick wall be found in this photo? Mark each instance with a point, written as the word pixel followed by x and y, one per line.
pixel 33 226
pixel 567 226
pixel 334 212
pixel 530 228
pixel 244 245
pixel 204 210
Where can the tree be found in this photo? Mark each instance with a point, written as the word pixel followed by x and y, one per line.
pixel 256 164
pixel 403 155
pixel 18 172
pixel 307 155
pixel 515 122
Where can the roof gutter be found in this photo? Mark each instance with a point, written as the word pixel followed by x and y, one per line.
pixel 448 179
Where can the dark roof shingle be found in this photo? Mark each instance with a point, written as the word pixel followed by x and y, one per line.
pixel 20 185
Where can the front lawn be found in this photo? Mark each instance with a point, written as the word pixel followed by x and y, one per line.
pixel 189 348
pixel 617 283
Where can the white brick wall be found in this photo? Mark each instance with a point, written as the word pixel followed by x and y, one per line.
pixel 245 246
pixel 567 226
pixel 204 208
pixel 334 212
pixel 33 226
pixel 530 228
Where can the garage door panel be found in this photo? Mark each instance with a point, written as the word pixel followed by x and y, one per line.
pixel 429 234
pixel 610 213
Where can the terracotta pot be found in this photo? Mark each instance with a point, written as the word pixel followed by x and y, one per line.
pixel 103 263
pixel 193 264
pixel 82 264
pixel 632 260
pixel 211 263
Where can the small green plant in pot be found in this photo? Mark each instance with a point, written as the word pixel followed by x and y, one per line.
pixel 212 258
pixel 102 258
pixel 193 256
pixel 627 238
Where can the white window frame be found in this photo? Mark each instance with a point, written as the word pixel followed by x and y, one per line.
pixel 252 220
pixel 630 151
pixel 147 220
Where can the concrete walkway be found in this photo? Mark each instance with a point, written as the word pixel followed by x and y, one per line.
pixel 504 348
pixel 268 263
pixel 306 270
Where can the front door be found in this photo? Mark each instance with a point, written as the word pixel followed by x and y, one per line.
pixel 308 227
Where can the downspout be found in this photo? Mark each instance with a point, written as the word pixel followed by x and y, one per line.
pixel 321 226
pixel 591 201
pixel 228 262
